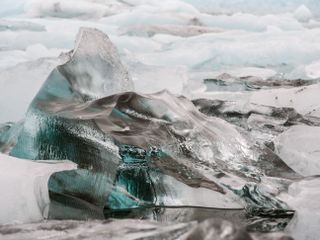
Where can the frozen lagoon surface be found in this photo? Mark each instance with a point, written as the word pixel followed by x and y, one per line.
pixel 229 150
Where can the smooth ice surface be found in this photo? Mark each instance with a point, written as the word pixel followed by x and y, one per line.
pixel 304 197
pixel 94 69
pixel 299 148
pixel 24 188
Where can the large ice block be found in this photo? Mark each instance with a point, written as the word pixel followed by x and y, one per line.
pixel 138 150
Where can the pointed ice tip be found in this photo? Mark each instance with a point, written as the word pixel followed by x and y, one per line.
pixel 94 69
pixel 92 40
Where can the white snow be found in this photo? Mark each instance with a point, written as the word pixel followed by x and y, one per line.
pixel 24 188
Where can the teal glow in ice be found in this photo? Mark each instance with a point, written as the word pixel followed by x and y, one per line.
pixel 134 186
pixel 133 154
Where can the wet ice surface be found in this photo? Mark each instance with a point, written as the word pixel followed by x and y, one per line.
pixel 236 147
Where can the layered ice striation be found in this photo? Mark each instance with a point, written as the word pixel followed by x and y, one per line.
pixel 139 150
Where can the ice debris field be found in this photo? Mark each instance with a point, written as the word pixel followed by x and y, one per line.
pixel 173 119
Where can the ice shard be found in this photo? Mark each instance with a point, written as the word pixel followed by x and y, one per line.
pixel 304 158
pixel 93 70
pixel 138 150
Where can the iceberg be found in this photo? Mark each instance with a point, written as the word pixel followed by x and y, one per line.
pixel 138 150
pixel 303 99
pixel 175 30
pixel 304 158
pixel 72 9
pixel 263 123
pixel 254 6
pixel 234 152
pixel 303 197
pixel 20 25
pixel 94 69
pixel 303 14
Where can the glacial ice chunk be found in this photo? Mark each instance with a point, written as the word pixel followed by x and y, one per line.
pixel 94 69
pixel 302 14
pixel 304 100
pixel 24 188
pixel 72 8
pixel 303 196
pixel 137 150
pixel 299 148
pixel 170 29
pixel 255 6
pixel 6 25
